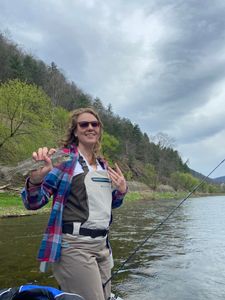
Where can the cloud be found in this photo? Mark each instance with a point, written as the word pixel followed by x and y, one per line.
pixel 204 155
pixel 159 63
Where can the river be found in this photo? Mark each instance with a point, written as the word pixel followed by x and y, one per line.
pixel 184 259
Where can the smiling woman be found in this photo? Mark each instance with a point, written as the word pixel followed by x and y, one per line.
pixel 84 189
pixel 88 133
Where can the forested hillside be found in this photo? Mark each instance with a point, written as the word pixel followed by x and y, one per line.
pixel 35 101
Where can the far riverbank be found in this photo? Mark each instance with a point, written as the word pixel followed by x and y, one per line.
pixel 11 203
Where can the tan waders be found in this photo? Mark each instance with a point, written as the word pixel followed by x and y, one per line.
pixel 85 259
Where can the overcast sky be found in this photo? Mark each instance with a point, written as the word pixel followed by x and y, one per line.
pixel 160 63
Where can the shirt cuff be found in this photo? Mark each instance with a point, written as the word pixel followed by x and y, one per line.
pixel 31 186
pixel 122 194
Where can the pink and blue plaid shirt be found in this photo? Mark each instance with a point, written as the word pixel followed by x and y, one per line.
pixel 57 184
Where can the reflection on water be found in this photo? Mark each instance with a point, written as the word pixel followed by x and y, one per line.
pixel 19 243
pixel 185 258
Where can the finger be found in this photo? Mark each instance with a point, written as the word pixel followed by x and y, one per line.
pixel 46 155
pixel 112 171
pixel 51 151
pixel 117 172
pixel 118 169
pixel 45 151
pixel 47 160
pixel 113 174
pixel 40 153
pixel 34 155
pixel 116 180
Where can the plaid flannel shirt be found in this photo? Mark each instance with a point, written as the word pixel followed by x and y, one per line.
pixel 57 183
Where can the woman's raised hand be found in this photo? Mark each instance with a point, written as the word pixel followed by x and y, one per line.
pixel 117 178
pixel 42 154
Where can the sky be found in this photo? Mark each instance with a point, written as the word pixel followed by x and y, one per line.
pixel 159 63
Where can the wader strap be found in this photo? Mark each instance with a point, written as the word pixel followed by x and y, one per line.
pixel 83 164
pixel 68 228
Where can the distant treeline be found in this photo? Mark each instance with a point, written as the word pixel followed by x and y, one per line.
pixel 35 101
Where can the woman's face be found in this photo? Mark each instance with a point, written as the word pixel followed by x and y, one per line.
pixel 88 129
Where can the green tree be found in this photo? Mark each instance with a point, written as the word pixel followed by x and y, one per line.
pixel 109 147
pixel 150 177
pixel 25 118
pixel 16 66
pixel 183 181
pixel 60 120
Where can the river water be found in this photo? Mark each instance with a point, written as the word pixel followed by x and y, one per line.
pixel 184 259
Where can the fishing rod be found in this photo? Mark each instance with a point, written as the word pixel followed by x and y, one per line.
pixel 159 225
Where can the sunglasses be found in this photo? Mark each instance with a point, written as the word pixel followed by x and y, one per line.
pixel 85 124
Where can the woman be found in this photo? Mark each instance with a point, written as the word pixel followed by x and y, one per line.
pixel 76 237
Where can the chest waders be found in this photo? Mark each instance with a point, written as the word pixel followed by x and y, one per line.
pixel 85 262
pixel 88 207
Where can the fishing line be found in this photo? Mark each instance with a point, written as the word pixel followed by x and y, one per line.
pixel 159 225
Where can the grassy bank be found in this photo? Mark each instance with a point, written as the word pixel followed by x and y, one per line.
pixel 133 196
pixel 12 205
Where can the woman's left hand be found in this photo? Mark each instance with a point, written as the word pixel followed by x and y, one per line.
pixel 117 178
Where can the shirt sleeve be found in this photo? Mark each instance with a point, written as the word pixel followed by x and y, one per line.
pixel 34 197
pixel 117 198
